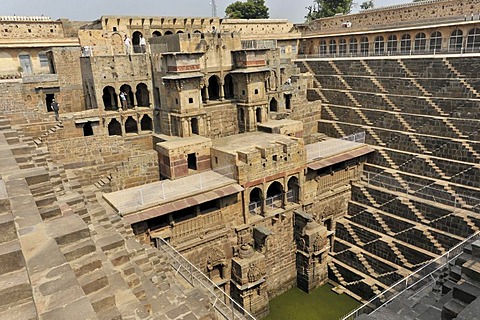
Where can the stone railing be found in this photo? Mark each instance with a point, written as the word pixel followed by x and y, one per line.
pixel 259 44
pixel 337 178
pixel 194 227
pixel 25 18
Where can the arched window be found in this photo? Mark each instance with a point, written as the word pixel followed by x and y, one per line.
pixel 146 123
pixel 136 41
pixel 110 99
pixel 214 88
pixel 168 32
pixel 405 44
pixel 392 44
pixel 114 128
pixel 379 45
pixel 364 46
pixel 228 87
pixel 420 43
pixel 131 125
pixel 456 41
pixel 473 40
pixel 156 33
pixel 342 47
pixel 293 190
pixel 128 90
pixel 332 47
pixel 273 105
pixel 323 47
pixel 255 203
pixel 353 46
pixel 436 41
pixel 142 95
pixel 274 195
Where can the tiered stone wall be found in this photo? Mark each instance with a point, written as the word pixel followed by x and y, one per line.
pixel 407 209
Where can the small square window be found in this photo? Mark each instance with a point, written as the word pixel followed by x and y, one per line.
pixel 190 100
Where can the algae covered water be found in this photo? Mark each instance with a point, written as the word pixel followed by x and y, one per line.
pixel 320 304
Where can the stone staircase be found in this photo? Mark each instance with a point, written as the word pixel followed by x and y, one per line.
pixel 67 255
pixel 412 79
pixel 461 78
pixel 373 77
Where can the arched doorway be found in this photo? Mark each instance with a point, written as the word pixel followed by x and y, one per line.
pixel 179 31
pixel 255 203
pixel 273 105
pixel 194 125
pixel 258 114
pixel 142 95
pixel 114 128
pixel 156 33
pixel 214 88
pixel 128 90
pixel 136 41
pixel 274 195
pixel 87 129
pixel 228 87
pixel 131 125
pixel 146 123
pixel 168 32
pixel 109 97
pixel 293 193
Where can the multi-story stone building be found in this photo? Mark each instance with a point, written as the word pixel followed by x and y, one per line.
pixel 235 152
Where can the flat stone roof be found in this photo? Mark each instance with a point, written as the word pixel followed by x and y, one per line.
pixel 280 123
pixel 249 141
pixel 251 69
pixel 331 151
pixel 132 200
pixel 182 142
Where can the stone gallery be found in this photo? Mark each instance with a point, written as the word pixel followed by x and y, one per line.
pixel 227 161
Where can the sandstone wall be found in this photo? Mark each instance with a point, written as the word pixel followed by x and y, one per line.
pixel 400 13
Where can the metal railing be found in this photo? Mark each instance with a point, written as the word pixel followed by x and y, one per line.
pixel 274 202
pixel 427 192
pixel 415 281
pixel 255 207
pixel 259 44
pixel 391 53
pixel 223 303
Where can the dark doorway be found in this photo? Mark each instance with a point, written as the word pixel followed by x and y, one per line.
pixel 114 128
pixel 273 105
pixel 228 87
pixel 131 125
pixel 87 129
pixel 293 190
pixel 213 88
pixel 156 34
pixel 109 98
pixel 288 98
pixel 146 123
pixel 48 100
pixel 241 120
pixel 168 32
pixel 192 161
pixel 258 113
pixel 194 123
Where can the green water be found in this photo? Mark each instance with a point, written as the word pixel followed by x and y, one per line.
pixel 321 304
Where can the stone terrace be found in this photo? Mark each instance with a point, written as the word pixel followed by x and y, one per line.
pixel 63 252
pixel 420 194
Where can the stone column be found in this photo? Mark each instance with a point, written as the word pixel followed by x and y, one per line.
pixel 222 92
pixel 185 128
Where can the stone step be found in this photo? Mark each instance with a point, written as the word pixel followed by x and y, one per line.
pixel 78 249
pixel 451 309
pixel 7 228
pixel 15 289
pixel 93 281
pixel 20 311
pixel 466 292
pixel 67 229
pixel 11 257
